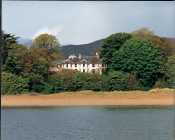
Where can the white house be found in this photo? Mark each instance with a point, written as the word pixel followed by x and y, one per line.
pixel 90 64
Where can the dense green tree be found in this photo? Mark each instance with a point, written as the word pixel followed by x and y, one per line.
pixel 112 44
pixel 13 84
pixel 15 60
pixel 57 82
pixel 115 80
pixel 70 80
pixel 160 42
pixel 36 82
pixel 139 56
pixel 7 41
pixel 85 81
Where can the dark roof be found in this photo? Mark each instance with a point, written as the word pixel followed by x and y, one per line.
pixel 82 60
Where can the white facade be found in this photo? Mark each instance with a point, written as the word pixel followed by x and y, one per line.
pixel 81 64
pixel 90 68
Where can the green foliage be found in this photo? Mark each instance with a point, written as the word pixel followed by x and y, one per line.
pixel 7 41
pixel 69 80
pixel 15 60
pixel 36 82
pixel 57 83
pixel 115 80
pixel 45 41
pixel 139 56
pixel 135 61
pixel 171 71
pixel 13 84
pixel 85 81
pixel 162 43
pixel 49 44
pixel 112 44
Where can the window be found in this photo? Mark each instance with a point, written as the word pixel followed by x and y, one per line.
pixel 67 65
pixel 83 65
pixel 75 65
pixel 58 66
pixel 83 70
pixel 93 65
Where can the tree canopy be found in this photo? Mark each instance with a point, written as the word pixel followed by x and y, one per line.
pixel 46 41
pixel 112 44
pixel 7 41
pixel 141 57
pixel 48 44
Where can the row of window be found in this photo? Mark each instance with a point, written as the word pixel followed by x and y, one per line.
pixel 93 71
pixel 93 65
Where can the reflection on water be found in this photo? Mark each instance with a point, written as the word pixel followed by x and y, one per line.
pixel 88 123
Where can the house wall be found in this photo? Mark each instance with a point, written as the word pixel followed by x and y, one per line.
pixel 90 68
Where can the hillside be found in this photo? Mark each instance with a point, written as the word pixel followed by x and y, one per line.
pixel 90 48
pixel 84 49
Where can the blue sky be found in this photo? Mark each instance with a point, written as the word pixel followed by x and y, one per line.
pixel 83 22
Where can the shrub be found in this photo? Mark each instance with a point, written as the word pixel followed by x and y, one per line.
pixel 171 71
pixel 13 84
pixel 115 80
pixel 69 80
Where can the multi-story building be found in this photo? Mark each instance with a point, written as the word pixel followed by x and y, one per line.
pixel 90 64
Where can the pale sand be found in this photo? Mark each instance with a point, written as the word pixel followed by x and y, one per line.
pixel 156 97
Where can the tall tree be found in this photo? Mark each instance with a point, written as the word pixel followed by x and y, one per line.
pixel 47 41
pixel 112 44
pixel 139 56
pixel 15 60
pixel 49 44
pixel 7 41
pixel 159 42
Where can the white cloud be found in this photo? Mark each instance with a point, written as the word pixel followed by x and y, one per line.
pixel 56 30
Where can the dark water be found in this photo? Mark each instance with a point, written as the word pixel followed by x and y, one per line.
pixel 87 123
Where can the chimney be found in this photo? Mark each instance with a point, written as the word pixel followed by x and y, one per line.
pixel 97 54
pixel 79 56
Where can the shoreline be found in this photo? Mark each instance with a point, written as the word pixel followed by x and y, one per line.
pixel 159 98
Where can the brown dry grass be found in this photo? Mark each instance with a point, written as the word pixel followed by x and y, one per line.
pixel 157 97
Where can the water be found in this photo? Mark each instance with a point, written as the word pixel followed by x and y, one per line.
pixel 87 123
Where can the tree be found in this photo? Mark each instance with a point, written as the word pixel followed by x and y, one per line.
pixel 37 62
pixel 171 71
pixel 15 60
pixel 7 41
pixel 142 32
pixel 49 45
pixel 115 80
pixel 139 56
pixel 112 44
pixel 13 84
pixel 46 41
pixel 159 42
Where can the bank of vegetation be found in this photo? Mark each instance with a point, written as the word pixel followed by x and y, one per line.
pixel 136 61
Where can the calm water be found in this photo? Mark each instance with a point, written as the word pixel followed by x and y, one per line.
pixel 87 123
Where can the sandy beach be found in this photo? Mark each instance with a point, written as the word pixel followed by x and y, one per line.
pixel 155 97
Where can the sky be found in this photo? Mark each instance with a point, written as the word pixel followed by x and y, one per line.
pixel 79 22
